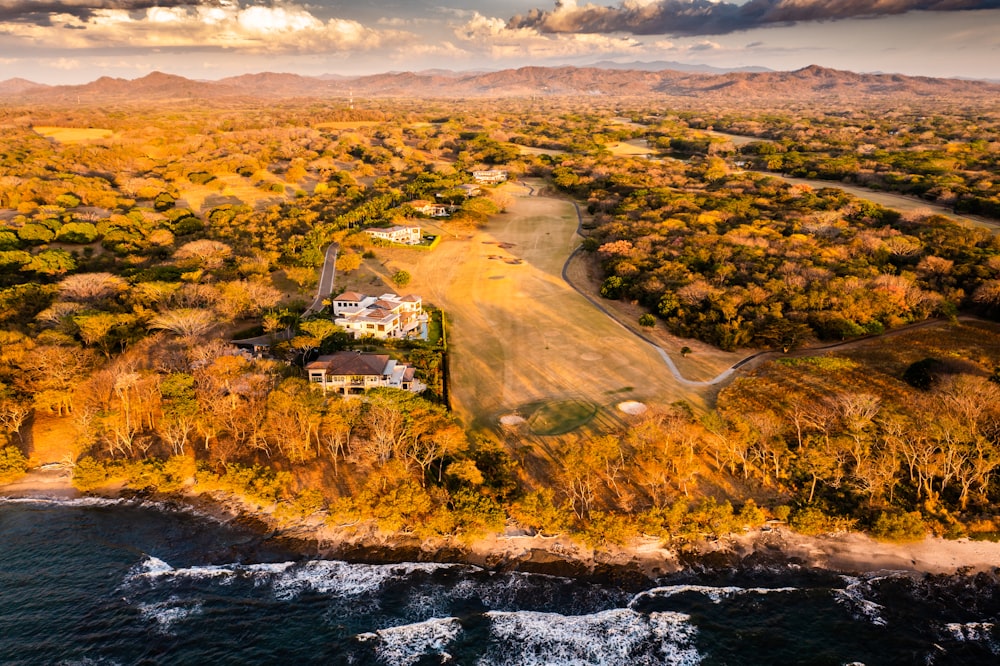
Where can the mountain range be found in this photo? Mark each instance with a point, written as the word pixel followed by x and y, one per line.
pixel 811 83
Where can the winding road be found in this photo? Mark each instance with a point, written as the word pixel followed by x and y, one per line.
pixel 326 276
pixel 726 374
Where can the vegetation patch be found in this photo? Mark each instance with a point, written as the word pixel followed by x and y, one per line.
pixel 348 124
pixel 828 363
pixel 561 417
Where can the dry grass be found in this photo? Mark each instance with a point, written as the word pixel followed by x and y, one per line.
pixel 348 124
pixel 868 366
pixel 518 334
pixel 630 148
pixel 74 134
pixel 705 362
pixel 227 189
pixel 51 439
pixel 530 150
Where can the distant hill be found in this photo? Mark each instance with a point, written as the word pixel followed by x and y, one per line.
pixel 156 86
pixel 660 65
pixel 16 86
pixel 809 84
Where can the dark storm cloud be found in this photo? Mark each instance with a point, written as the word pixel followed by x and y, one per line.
pixel 702 17
pixel 40 12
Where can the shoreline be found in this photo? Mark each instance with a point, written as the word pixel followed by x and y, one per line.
pixel 642 561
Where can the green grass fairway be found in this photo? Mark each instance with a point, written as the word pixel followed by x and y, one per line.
pixel 559 418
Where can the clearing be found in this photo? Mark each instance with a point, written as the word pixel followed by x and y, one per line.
pixel 74 134
pixel 519 336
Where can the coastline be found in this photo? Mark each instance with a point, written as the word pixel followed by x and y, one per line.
pixel 641 561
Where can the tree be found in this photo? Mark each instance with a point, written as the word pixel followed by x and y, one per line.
pixel 401 278
pixel 185 322
pixel 293 418
pixel 348 262
pixel 91 287
pixel 13 413
pixel 204 253
pixel 180 410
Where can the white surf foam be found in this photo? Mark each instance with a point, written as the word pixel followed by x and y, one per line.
pixel 154 570
pixel 406 644
pixel 615 636
pixel 344 579
pixel 715 594
pixel 289 579
pixel 853 597
pixel 976 632
pixel 62 501
pixel 167 613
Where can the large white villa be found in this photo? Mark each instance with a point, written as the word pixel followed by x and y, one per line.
pixel 490 176
pixel 353 372
pixel 385 316
pixel 405 235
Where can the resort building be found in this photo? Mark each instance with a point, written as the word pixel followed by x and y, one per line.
pixel 385 316
pixel 353 372
pixel 490 176
pixel 406 235
pixel 428 208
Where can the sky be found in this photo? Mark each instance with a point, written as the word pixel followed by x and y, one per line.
pixel 75 41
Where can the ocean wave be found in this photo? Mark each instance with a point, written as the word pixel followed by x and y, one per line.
pixel 89 502
pixel 615 636
pixel 169 612
pixel 290 579
pixel 345 579
pixel 715 594
pixel 407 644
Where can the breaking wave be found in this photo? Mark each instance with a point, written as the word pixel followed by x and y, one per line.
pixel 408 643
pixel 167 613
pixel 715 594
pixel 614 636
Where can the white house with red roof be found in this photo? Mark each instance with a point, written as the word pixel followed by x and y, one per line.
pixel 354 372
pixel 385 316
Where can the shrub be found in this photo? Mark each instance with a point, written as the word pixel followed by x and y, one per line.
pixel 647 320
pixel 899 527
pixel 811 521
pixel 306 503
pixel 77 232
pixel 13 464
pixel 605 529
pixel 90 474
pixel 401 278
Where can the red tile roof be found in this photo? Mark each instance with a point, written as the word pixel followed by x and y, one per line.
pixel 352 363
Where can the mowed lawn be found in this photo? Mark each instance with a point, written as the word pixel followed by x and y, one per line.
pixel 518 334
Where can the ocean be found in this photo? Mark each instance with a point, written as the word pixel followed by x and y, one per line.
pixel 93 582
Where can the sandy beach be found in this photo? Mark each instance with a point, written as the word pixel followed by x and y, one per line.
pixel 849 552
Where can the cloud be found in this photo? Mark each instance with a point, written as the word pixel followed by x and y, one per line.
pixel 281 27
pixel 707 17
pixel 501 41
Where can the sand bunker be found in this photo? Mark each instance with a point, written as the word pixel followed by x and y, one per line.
pixel 632 407
pixel 511 419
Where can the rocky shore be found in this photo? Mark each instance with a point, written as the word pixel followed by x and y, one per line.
pixel 637 562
